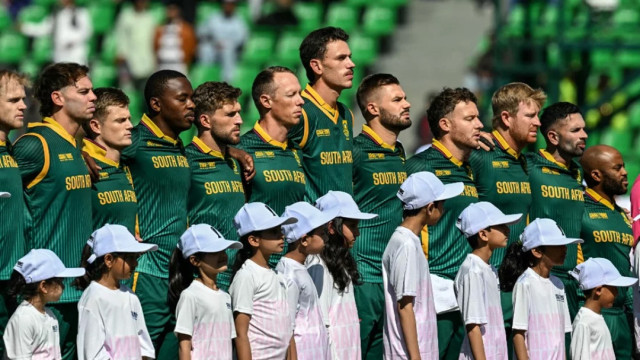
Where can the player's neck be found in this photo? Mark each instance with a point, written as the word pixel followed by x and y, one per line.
pixel 274 128
pixel 542 269
pixel 38 302
pixel 70 125
pixel 107 280
pixel 510 141
pixel 297 255
pixel 593 305
pixel 112 153
pixel 600 191
pixel 460 153
pixel 327 93
pixel 214 145
pixel 390 137
pixel 415 223
pixel 261 259
pixel 164 126
pixel 483 252
pixel 4 133
pixel 563 159
pixel 210 282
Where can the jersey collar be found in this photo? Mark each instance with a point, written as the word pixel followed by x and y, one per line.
pixel 545 154
pixel 267 138
pixel 444 151
pixel 57 128
pixel 3 143
pixel 313 96
pixel 155 130
pixel 502 144
pixel 368 131
pixel 204 148
pixel 597 198
pixel 96 151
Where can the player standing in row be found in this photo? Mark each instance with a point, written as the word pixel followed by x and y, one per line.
pixel 107 134
pixel 56 179
pixel 378 172
pixel 454 120
pixel 12 107
pixel 216 192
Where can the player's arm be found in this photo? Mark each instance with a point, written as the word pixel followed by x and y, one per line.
pixel 475 341
pixel 408 324
pixel 243 347
pixel 292 352
pixel 519 345
pixel 245 160
pixel 29 153
pixel 184 349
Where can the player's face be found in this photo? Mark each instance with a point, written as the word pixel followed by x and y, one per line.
pixel 271 241
pixel 554 255
pixel 337 67
pixel 124 265
pixel 53 290
pixel 286 103
pixel 498 236
pixel 394 107
pixel 212 264
pixel 316 241
pixel 614 176
pixel 350 231
pixel 607 296
pixel 176 106
pixel 571 135
pixel 79 100
pixel 524 127
pixel 115 130
pixel 225 124
pixel 465 125
pixel 12 105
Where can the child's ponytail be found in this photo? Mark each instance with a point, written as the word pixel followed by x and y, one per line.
pixel 181 275
pixel 243 254
pixel 18 290
pixel 94 270
pixel 514 264
pixel 340 263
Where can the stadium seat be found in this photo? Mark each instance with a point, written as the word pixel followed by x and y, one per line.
pixel 33 14
pixel 634 115
pixel 287 53
pixel 109 48
pixel 379 20
pixel 102 16
pixel 250 116
pixel 103 74
pixel 243 79
pixel 45 3
pixel 202 72
pixel 548 23
pixel 514 26
pixel 620 139
pixel 136 104
pixel 29 68
pixel 392 3
pixel 159 12
pixel 342 15
pixel 259 48
pixel 204 10
pixel 364 49
pixel 5 19
pixel 13 48
pixel 309 15
pixel 42 51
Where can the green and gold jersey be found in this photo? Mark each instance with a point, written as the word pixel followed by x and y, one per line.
pixel 325 137
pixel 113 199
pixel 57 190
pixel 557 193
pixel 378 172
pixel 12 210
pixel 444 245
pixel 279 180
pixel 502 179
pixel 216 194
pixel 606 231
pixel 161 178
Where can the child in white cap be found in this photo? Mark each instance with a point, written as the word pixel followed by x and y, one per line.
pixel 599 281
pixel 476 284
pixel 32 331
pixel 204 320
pixel 258 293
pixel 410 330
pixel 334 272
pixel 306 237
pixel 540 311
pixel 110 320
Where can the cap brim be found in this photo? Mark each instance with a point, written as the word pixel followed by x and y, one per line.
pixel 275 222
pixel 564 241
pixel 622 281
pixel 139 247
pixel 71 273
pixel 220 245
pixel 358 215
pixel 4 195
pixel 507 220
pixel 450 191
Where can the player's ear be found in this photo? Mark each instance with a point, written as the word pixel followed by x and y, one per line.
pixel 316 66
pixel 445 124
pixel 506 119
pixel 205 121
pixel 265 101
pixel 57 98
pixel 372 108
pixel 154 104
pixel 94 125
pixel 553 137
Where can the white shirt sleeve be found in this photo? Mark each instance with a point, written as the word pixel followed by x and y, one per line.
pixel 520 306
pixel 241 291
pixel 317 273
pixel 471 299
pixel 19 336
pixel 146 345
pixel 293 296
pixel 185 311
pixel 567 317
pixel 91 336
pixel 403 269
pixel 580 342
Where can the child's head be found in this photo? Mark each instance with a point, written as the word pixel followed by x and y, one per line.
pixel 599 280
pixel 309 234
pixel 423 194
pixel 546 241
pixel 40 273
pixel 483 224
pixel 111 251
pixel 347 216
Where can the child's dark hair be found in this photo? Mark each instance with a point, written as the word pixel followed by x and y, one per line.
pixel 94 271
pixel 340 262
pixel 514 264
pixel 181 275
pixel 243 254
pixel 474 241
pixel 587 293
pixel 18 290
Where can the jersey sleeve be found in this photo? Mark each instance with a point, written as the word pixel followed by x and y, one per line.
pixel 476 161
pixel 415 164
pixel 241 292
pixel 91 335
pixel 580 340
pixel 471 299
pixel 521 306
pixel 296 133
pixel 293 296
pixel 129 152
pixel 316 271
pixel 28 152
pixel 18 338
pixel 185 311
pixel 146 345
pixel 403 270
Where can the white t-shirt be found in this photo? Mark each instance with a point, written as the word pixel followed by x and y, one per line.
pixel 540 308
pixel 478 294
pixel 262 294
pixel 111 325
pixel 636 296
pixel 31 334
pixel 338 311
pixel 205 314
pixel 312 340
pixel 591 339
pixel 405 272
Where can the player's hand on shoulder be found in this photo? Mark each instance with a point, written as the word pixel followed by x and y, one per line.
pixel 246 162
pixel 486 142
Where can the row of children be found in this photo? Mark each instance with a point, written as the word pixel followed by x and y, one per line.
pixel 306 308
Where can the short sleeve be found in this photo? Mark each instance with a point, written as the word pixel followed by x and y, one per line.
pixel 403 271
pixel 635 208
pixel 416 164
pixel 521 306
pixel 471 299
pixel 567 317
pixel 316 271
pixel 241 291
pixel 146 345
pixel 28 152
pixel 185 314
pixel 18 338
pixel 293 296
pixel 91 335
pixel 580 340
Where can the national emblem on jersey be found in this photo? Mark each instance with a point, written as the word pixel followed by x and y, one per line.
pixel 295 155
pixel 345 128
pixel 235 167
pixel 626 219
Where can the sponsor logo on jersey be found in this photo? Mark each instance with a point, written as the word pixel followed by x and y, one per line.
pixel 207 165
pixel 500 164
pixel 151 143
pixel 295 154
pixel 598 216
pixel 134 315
pixel 443 172
pixel 559 298
pixel 376 156
pixel 65 157
pixel 228 306
pixel 55 328
pixel 265 154
pixel 546 170
pixel 103 175
pixel 323 132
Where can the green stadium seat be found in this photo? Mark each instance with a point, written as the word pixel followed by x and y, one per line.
pixel 250 116
pixel 42 51
pixel 103 16
pixel 632 165
pixel 309 15
pixel 601 59
pixel 204 10
pixel 13 48
pixel 109 48
pixel 594 137
pixel 301 74
pixel 626 17
pixel 242 9
pixel 393 3
pixel 548 23
pixel 159 12
pixel 45 3
pixel 33 14
pixel 379 20
pixel 243 79
pixel 287 53
pixel 29 68
pixel 103 74
pixel 634 115
pixel 364 49
pixel 203 72
pixel 348 96
pixel 187 135
pixel 620 139
pixel 259 48
pixel 342 15
pixel 514 26
pixel 5 19
pixel 136 104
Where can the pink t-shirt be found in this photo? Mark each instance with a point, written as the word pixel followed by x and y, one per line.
pixel 635 208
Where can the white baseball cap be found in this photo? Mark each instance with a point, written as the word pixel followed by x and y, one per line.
pixel 598 272
pixel 43 264
pixel 257 216
pixel 544 232
pixel 115 239
pixel 4 195
pixel 422 188
pixel 343 205
pixel 309 218
pixel 481 215
pixel 204 238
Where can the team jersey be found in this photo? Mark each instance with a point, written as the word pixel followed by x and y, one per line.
pixel 606 232
pixel 12 210
pixel 57 190
pixel 325 137
pixel 501 178
pixel 215 196
pixel 280 180
pixel 161 179
pixel 443 244
pixel 378 172
pixel 31 334
pixel 591 338
pixel 557 193
pixel 113 199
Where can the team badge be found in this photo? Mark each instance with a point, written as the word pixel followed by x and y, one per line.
pixel 345 129
pixel 295 155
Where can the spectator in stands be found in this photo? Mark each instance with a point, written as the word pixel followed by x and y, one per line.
pixel 175 42
pixel 282 15
pixel 221 37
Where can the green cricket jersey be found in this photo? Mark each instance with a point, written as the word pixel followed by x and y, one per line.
pixel 501 178
pixel 444 245
pixel 161 179
pixel 280 179
pixel 324 135
pixel 57 190
pixel 113 199
pixel 378 172
pixel 557 193
pixel 12 210
pixel 606 231
pixel 216 194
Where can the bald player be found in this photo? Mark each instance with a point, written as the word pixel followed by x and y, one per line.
pixel 606 231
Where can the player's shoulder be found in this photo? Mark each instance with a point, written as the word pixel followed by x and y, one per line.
pixel 422 161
